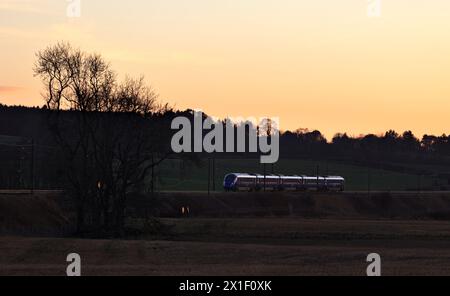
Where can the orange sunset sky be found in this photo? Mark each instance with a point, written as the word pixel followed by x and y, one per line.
pixel 319 64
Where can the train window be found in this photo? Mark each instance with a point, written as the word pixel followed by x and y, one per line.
pixel 230 179
pixel 246 180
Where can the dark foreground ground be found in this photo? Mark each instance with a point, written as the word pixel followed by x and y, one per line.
pixel 253 246
pixel 280 234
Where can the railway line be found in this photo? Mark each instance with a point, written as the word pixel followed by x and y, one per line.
pixel 356 193
pixel 28 192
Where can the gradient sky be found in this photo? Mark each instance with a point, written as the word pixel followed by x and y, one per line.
pixel 321 64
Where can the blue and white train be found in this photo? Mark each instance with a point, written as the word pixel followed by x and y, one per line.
pixel 256 182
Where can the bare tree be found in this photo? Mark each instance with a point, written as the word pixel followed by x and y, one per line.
pixel 105 130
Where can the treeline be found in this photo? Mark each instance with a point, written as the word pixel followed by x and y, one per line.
pixel 31 122
pixel 390 147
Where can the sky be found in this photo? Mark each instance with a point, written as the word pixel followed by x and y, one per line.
pixel 323 64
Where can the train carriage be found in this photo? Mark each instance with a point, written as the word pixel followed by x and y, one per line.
pixel 256 182
pixel 292 183
pixel 245 182
pixel 271 182
pixel 335 183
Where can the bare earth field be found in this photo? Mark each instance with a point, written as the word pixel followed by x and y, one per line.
pixel 236 234
pixel 244 246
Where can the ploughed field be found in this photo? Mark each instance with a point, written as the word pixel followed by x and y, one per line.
pixel 253 246
pixel 264 234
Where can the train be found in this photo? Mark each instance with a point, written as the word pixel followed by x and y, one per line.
pixel 257 182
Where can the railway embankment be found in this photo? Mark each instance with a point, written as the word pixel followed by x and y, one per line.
pixel 52 214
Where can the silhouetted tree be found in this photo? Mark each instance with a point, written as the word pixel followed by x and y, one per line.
pixel 108 140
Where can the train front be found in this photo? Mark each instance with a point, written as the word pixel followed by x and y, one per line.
pixel 229 182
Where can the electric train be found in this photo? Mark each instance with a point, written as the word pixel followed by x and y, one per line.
pixel 257 182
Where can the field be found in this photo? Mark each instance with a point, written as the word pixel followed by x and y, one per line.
pixel 256 246
pixel 238 234
pixel 178 175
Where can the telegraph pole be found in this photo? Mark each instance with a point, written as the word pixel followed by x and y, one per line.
pixel 32 167
pixel 214 174
pixel 153 176
pixel 264 165
pixel 209 175
pixel 21 180
pixel 317 174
